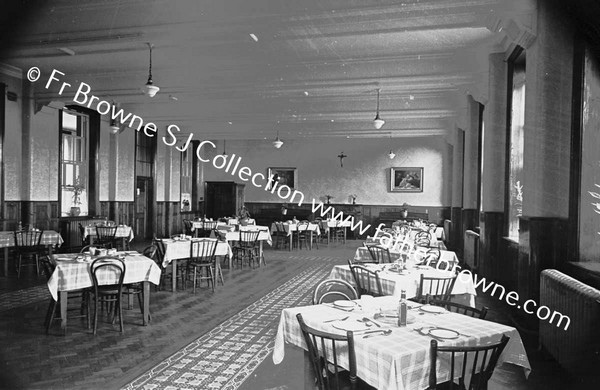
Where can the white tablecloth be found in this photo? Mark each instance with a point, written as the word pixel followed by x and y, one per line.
pixel 71 274
pixel 122 232
pixel 393 283
pixel 264 234
pixel 292 227
pixel 415 256
pixel 401 360
pixel 180 249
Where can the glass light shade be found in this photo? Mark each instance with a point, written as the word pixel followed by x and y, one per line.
pixel 391 155
pixel 151 89
pixel 277 143
pixel 378 122
pixel 114 128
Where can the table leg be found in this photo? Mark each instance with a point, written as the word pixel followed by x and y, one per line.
pixel 328 235
pixel 174 275
pixel 310 245
pixel 63 297
pixel 260 253
pixel 146 286
pixel 344 234
pixel 291 240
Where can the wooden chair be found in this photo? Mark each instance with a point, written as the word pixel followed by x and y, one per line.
pixel 106 236
pixel 203 261
pixel 434 288
pixel 137 288
pixel 331 290
pixel 246 247
pixel 110 294
pixel 337 232
pixel 478 362
pixel 423 238
pixel 281 237
pixel 461 309
pixel 28 246
pixel 379 254
pixel 302 234
pixel 367 281
pixel 323 350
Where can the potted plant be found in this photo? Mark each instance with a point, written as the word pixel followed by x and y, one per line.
pixel 78 188
pixel 329 197
pixel 353 196
pixel 284 209
pixel 404 211
pixel 243 216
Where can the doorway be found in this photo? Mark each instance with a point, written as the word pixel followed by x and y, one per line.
pixel 143 207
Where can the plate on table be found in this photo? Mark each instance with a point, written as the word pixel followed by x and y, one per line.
pixel 432 309
pixel 347 305
pixel 353 326
pixel 444 333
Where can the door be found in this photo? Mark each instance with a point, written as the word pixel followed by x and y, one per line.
pixel 143 205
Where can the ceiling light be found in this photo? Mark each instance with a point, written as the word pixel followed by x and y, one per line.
pixel 391 155
pixel 224 152
pixel 66 50
pixel 254 37
pixel 150 89
pixel 378 122
pixel 277 143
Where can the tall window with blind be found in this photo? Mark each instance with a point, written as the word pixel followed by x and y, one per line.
pixel 74 133
pixel 515 144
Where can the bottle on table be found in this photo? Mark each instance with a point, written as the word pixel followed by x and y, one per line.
pixel 402 309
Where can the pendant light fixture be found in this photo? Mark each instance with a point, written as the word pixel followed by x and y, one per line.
pixel 114 126
pixel 378 122
pixel 277 143
pixel 224 152
pixel 150 89
pixel 391 154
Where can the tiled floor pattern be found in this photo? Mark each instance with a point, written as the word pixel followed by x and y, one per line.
pixel 224 357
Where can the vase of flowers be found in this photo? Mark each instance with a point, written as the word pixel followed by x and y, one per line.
pixel 243 216
pixel 284 209
pixel 78 189
pixel 329 197
pixel 353 197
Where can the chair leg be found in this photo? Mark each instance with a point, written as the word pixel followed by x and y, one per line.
pixel 212 279
pixel 120 309
pixel 95 313
pixel 194 290
pixel 19 267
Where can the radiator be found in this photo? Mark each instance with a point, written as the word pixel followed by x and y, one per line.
pixel 577 349
pixel 471 249
pixel 447 227
pixel 69 230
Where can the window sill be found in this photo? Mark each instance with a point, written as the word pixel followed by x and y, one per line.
pixel 513 240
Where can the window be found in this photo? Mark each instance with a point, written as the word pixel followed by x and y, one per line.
pixel 144 155
pixel 74 132
pixel 515 144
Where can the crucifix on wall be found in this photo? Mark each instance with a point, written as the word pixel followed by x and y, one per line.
pixel 341 157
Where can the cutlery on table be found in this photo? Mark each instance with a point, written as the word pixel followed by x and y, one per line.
pixel 367 321
pixel 380 332
pixel 337 319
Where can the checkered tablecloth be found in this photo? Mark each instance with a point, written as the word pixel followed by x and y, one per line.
pixel 292 227
pixel 264 234
pixel 71 274
pixel 122 232
pixel 49 237
pixel 400 361
pixel 393 283
pixel 180 249
pixel 362 254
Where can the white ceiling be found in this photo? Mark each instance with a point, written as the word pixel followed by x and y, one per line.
pixel 313 71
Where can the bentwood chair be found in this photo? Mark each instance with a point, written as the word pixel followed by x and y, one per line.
pixel 423 238
pixel 303 234
pixel 331 290
pixel 28 246
pixel 323 350
pixel 477 362
pixel 434 288
pixel 380 254
pixel 203 262
pixel 106 236
pixel 367 281
pixel 108 267
pixel 281 237
pixel 461 309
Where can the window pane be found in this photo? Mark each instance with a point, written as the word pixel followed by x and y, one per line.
pixel 74 169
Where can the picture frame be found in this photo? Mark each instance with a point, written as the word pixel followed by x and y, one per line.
pixel 406 179
pixel 283 176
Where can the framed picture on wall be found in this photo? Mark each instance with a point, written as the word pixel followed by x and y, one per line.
pixel 283 176
pixel 406 179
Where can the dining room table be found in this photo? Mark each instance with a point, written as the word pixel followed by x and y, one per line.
pixel 180 248
pixel 232 236
pixel 291 227
pixel 124 233
pixel 328 224
pixel 448 259
pixel 389 356
pixel 393 281
pixel 50 239
pixel 72 272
